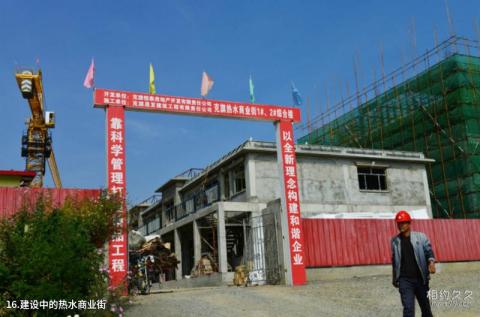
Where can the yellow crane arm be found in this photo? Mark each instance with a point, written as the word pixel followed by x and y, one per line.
pixel 34 95
pixel 52 164
pixel 36 145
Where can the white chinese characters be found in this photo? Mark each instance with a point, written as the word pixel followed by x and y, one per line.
pixel 117 184
pixel 291 193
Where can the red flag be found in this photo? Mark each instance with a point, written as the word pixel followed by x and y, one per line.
pixel 89 82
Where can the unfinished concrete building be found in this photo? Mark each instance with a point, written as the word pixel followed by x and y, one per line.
pixel 218 210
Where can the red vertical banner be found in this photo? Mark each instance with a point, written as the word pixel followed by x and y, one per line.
pixel 291 200
pixel 117 247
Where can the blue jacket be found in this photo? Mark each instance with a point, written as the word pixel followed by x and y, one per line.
pixel 423 254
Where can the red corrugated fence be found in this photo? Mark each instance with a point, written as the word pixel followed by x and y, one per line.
pixel 345 242
pixel 13 198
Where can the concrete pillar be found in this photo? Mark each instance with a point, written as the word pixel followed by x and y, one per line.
pixel 283 241
pixel 221 184
pixel 178 254
pixel 197 243
pixel 250 182
pixel 177 199
pixel 163 214
pixel 428 202
pixel 222 240
pixel 349 187
pixel 229 176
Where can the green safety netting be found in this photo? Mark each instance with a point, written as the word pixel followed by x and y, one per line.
pixel 436 112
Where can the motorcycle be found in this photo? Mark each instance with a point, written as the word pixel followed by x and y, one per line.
pixel 141 276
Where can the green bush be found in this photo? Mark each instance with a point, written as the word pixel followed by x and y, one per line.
pixel 53 254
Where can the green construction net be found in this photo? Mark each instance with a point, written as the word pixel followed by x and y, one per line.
pixel 436 112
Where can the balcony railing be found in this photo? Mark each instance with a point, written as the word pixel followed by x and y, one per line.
pixel 143 230
pixel 182 210
pixel 150 227
pixel 192 205
pixel 153 225
pixel 197 202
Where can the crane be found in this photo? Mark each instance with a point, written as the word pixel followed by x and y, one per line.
pixel 37 141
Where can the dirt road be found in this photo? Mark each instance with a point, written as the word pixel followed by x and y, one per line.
pixel 365 296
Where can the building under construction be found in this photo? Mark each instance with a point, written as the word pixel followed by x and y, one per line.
pixel 229 211
pixel 430 105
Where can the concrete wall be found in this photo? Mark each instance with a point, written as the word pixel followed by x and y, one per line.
pixel 331 185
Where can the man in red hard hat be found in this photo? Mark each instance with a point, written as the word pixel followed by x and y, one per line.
pixel 412 263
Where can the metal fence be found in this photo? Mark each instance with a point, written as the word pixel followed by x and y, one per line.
pixel 345 242
pixel 13 199
pixel 261 250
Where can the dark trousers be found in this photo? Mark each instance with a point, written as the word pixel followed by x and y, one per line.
pixel 409 289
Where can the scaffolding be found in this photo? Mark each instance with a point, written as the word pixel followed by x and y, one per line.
pixel 430 105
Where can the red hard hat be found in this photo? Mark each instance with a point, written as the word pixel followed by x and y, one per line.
pixel 402 216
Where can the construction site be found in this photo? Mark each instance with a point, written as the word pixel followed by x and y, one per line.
pixel 429 105
pixel 314 208
pixel 407 141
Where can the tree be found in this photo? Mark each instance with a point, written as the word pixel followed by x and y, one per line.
pixel 53 254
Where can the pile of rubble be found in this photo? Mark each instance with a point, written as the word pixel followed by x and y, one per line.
pixel 165 259
pixel 205 266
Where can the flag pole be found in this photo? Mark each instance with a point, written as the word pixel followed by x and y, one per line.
pixel 251 89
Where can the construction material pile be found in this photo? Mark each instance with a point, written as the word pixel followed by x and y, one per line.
pixel 240 278
pixel 205 266
pixel 165 259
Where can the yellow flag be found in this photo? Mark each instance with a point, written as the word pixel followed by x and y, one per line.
pixel 152 81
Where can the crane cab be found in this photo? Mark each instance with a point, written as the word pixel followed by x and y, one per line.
pixel 50 119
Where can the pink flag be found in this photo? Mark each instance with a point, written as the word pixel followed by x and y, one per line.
pixel 207 84
pixel 88 82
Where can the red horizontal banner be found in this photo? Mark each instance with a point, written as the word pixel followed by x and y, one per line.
pixel 136 101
